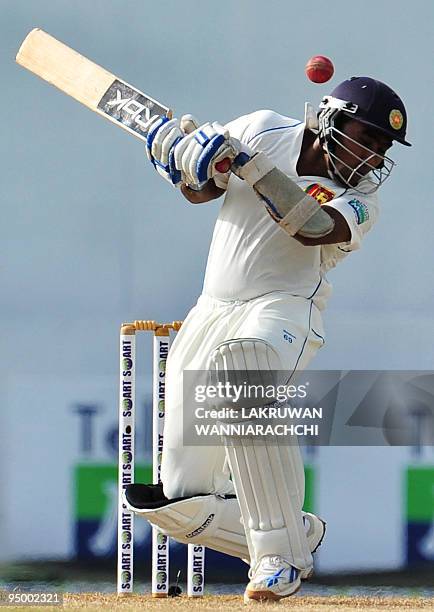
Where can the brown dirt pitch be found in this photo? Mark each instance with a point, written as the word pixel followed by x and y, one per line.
pixel 138 603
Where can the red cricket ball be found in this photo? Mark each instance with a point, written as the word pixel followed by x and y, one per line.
pixel 319 69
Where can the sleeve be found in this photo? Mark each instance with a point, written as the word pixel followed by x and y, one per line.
pixel 360 212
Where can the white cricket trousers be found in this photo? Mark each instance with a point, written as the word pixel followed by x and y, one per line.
pixel 291 325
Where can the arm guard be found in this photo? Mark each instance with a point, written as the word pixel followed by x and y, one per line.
pixel 294 210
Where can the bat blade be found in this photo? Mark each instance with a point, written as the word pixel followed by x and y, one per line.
pixel 89 83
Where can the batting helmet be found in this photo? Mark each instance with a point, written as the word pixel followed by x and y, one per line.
pixel 374 103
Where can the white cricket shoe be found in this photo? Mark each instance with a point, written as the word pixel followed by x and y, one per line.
pixel 315 532
pixel 271 579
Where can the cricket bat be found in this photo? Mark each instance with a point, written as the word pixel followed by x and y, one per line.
pixel 92 85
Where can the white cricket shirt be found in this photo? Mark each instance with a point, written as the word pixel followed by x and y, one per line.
pixel 250 255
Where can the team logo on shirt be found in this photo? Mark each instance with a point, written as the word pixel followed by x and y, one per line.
pixel 361 210
pixel 321 194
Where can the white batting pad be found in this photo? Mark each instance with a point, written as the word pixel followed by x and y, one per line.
pixel 224 531
pixel 209 520
pixel 268 476
pixel 266 482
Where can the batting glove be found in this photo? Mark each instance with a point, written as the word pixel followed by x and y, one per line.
pixel 197 154
pixel 163 134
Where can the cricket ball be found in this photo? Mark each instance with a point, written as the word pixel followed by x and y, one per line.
pixel 319 69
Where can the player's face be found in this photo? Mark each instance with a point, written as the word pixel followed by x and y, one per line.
pixel 359 147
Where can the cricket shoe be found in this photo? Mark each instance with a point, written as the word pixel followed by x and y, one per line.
pixel 315 532
pixel 271 579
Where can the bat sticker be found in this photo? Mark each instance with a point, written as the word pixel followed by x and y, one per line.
pixel 129 107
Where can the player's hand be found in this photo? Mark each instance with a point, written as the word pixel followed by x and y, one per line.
pixel 197 154
pixel 163 134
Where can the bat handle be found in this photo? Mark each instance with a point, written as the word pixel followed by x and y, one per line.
pixel 224 165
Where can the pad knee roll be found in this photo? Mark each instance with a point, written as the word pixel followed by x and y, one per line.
pixel 244 362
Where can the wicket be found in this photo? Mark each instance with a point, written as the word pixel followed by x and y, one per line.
pixel 127 406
